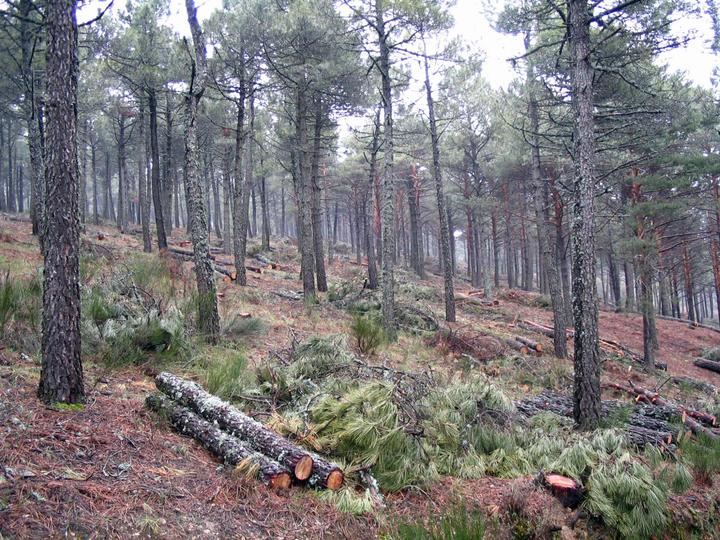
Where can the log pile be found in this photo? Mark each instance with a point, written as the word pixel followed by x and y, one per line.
pixel 698 422
pixel 236 437
pixel 645 425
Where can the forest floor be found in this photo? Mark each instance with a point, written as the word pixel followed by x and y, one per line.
pixel 113 469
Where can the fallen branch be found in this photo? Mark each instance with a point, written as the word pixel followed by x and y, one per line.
pixel 707 364
pixel 230 449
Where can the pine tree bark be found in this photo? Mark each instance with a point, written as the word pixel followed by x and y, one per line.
pixel 369 213
pixel 61 376
pixel 208 317
pixel 387 209
pixel 316 210
pixel 243 182
pixel 542 201
pixel 585 309
pixel 445 249
pixel 155 171
pixel 122 188
pixel 143 196
pixel 304 189
pixel 167 180
pixel 230 449
pixel 227 197
pixel 31 113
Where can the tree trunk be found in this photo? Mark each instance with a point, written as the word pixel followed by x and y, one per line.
pixel 227 197
pixel 244 184
pixel 155 171
pixel 61 376
pixel 143 196
pixel 301 462
pixel 318 244
pixel 230 449
pixel 168 183
pixel 417 256
pixel 31 112
pixel 542 201
pixel 265 241
pixel 11 195
pixel 93 168
pixel 305 243
pixel 208 317
pixel 387 209
pixel 585 310
pixel 122 188
pixel 369 212
pixel 446 253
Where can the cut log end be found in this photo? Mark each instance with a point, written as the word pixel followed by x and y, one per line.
pixel 280 481
pixel 335 480
pixel 303 468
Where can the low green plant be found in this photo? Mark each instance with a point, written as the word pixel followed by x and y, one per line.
pixel 368 333
pixel 703 456
pixel 151 338
pixel 227 376
pixel 628 499
pixel 98 308
pixel 9 299
pixel 458 524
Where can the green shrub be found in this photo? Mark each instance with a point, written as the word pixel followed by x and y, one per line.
pixel 9 299
pixel 628 499
pixel 227 375
pixel 703 456
pixel 318 357
pixel 150 339
pixel 368 333
pixel 363 427
pixel 98 308
pixel 458 524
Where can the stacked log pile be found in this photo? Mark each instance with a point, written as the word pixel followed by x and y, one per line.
pixel 237 438
pixel 645 425
pixel 653 420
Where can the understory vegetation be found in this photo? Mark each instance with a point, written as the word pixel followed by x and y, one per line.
pixel 405 429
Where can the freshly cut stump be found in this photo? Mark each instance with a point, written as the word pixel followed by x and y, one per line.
pixel 301 462
pixel 229 448
pixel 567 490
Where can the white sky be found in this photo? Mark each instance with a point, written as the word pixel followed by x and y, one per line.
pixel 472 24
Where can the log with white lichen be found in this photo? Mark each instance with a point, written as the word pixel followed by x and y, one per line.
pixel 301 462
pixel 230 449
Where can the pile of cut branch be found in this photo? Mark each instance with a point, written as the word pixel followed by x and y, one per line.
pixel 237 439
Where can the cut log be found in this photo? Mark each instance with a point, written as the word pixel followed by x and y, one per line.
pixel 517 345
pixel 230 449
pixel 185 252
pixel 256 269
pixel 534 345
pixel 707 364
pixel 300 461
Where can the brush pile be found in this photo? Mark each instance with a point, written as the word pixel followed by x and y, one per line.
pixel 238 439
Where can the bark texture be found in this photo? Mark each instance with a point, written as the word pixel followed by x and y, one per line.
pixel 61 377
pixel 230 449
pixel 540 192
pixel 585 309
pixel 301 462
pixel 208 316
pixel 445 238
